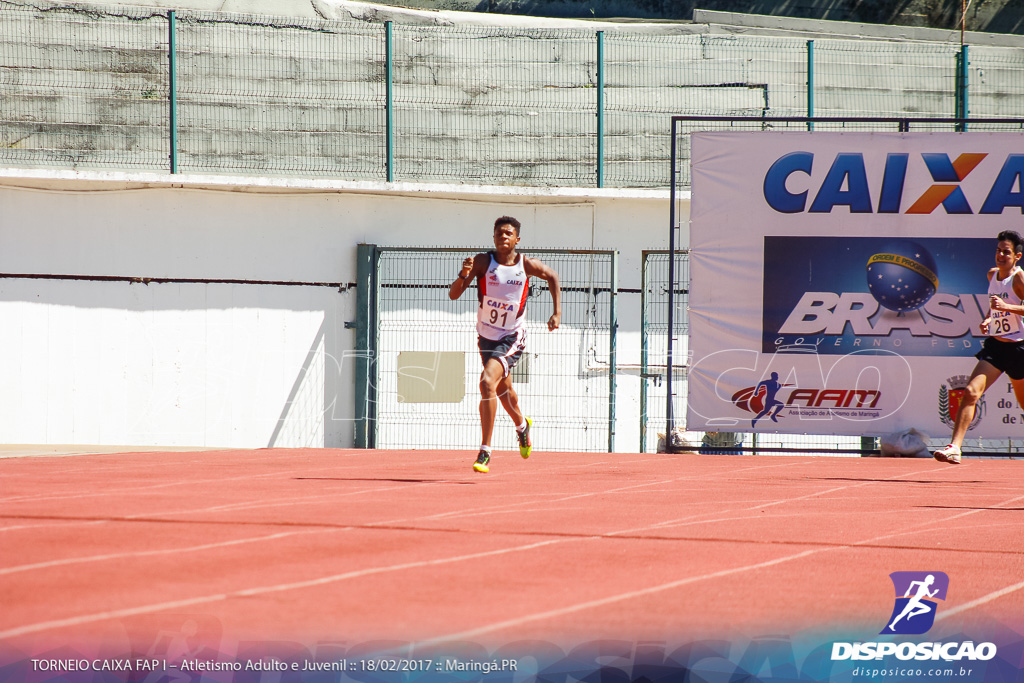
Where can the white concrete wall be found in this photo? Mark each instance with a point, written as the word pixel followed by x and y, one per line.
pixel 241 364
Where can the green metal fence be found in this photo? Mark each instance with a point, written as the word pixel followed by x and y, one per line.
pixel 83 89
pixel 497 104
pixel 995 83
pixel 874 79
pixel 420 388
pixel 295 97
pixel 189 91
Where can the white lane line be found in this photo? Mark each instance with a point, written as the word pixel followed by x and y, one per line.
pixel 250 592
pixel 601 602
pixel 148 553
pixel 43 626
pixel 946 613
pixel 498 626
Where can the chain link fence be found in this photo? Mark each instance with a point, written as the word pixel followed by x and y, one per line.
pixel 82 89
pixel 428 366
pixel 115 87
pixel 258 95
pixel 498 105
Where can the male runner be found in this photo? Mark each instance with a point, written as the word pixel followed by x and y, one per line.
pixel 1003 350
pixel 503 282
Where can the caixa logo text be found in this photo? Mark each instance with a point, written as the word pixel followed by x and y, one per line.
pixel 847 184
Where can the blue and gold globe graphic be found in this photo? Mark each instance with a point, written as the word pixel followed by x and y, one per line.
pixel 902 276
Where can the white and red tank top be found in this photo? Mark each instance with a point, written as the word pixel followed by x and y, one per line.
pixel 502 292
pixel 1005 325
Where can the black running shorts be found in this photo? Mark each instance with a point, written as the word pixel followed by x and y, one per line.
pixel 507 350
pixel 1004 355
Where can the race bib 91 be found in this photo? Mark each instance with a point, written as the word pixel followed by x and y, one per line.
pixel 498 313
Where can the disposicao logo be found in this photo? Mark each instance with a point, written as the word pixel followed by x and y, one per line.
pixel 914 612
pixel 916 601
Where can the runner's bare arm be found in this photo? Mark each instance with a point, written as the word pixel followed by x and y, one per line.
pixel 472 268
pixel 988 318
pixel 536 268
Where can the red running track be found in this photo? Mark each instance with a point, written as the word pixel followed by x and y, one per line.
pixel 313 545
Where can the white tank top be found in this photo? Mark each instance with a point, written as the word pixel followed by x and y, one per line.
pixel 1005 325
pixel 502 292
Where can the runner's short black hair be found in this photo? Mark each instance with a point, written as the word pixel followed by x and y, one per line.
pixel 1010 236
pixel 508 220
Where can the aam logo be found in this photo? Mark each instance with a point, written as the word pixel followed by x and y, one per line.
pixel 916 601
pixel 763 399
pixel 846 184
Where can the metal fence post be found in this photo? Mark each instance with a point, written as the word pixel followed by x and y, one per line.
pixel 613 325
pixel 669 363
pixel 389 102
pixel 810 83
pixel 962 94
pixel 173 86
pixel 365 325
pixel 957 99
pixel 643 351
pixel 600 108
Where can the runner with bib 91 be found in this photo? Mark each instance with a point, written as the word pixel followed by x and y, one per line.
pixel 503 282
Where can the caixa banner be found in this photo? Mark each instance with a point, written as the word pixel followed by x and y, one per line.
pixel 839 280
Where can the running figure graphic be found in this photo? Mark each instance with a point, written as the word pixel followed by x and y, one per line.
pixel 771 388
pixel 915 606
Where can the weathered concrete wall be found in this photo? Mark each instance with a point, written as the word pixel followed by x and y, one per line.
pixel 88 87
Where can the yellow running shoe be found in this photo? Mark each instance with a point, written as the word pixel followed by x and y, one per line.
pixel 525 446
pixel 482 463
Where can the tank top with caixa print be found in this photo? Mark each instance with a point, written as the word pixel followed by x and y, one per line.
pixel 1005 325
pixel 502 292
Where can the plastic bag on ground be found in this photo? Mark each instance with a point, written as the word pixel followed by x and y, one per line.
pixel 908 443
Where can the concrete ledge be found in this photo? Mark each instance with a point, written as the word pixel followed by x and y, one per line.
pixel 98 181
pixel 759 24
pixel 64 450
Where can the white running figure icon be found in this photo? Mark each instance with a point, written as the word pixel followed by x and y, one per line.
pixel 915 607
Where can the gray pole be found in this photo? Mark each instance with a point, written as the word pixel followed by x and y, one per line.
pixel 173 86
pixel 600 108
pixel 613 291
pixel 389 103
pixel 810 83
pixel 669 418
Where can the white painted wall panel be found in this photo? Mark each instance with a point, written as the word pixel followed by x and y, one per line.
pixel 229 364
